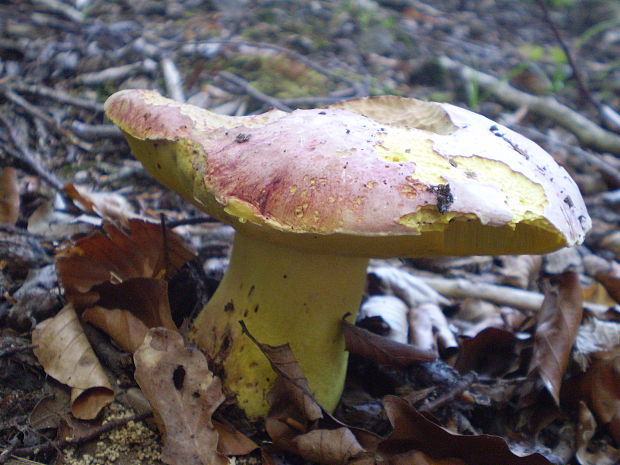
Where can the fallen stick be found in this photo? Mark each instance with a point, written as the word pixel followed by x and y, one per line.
pixel 589 134
pixel 500 295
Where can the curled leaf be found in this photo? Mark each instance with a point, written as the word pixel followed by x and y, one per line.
pixel 383 350
pixel 414 432
pixel 66 355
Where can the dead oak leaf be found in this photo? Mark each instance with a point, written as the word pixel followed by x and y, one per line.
pixel 383 350
pixel 414 432
pixel 66 355
pixel 557 325
pixel 183 394
pixel 114 256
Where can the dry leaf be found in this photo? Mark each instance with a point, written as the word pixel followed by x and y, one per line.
pixel 587 453
pixel 112 256
pixel 183 394
pixel 413 431
pixel 126 330
pixel 232 441
pixel 328 447
pixel 291 386
pixel 520 270
pixel 9 196
pixel 107 205
pixel 66 355
pixel 557 326
pixel 599 387
pixel 491 352
pixel 383 350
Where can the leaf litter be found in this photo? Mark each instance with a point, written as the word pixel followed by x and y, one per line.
pixel 488 405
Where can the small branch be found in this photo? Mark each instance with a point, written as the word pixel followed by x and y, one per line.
pixel 500 295
pixel 27 158
pixel 589 134
pixel 34 111
pixel 16 349
pixel 90 435
pixel 56 95
pixel 189 221
pixel 96 131
pixel 64 9
pixel 109 74
pixel 172 77
pixel 456 390
pixel 253 91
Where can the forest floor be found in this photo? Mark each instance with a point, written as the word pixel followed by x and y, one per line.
pixel 544 383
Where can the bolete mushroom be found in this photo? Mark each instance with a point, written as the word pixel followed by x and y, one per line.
pixel 314 193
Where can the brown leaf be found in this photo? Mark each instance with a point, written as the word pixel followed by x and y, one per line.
pixel 126 330
pixel 183 394
pixel 125 311
pixel 9 196
pixel 66 355
pixel 292 386
pixel 557 325
pixel 114 256
pixel 413 431
pixel 383 350
pixel 106 205
pixel 599 387
pixel 491 352
pixel 329 447
pixel 232 441
pixel 588 453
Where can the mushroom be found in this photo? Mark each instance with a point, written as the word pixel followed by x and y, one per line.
pixel 314 193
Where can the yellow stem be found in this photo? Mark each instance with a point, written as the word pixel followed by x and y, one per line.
pixel 283 295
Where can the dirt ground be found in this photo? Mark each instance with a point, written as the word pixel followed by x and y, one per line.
pixel 548 70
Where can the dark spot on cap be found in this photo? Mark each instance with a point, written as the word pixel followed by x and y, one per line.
pixel 568 201
pixel 229 307
pixel 322 113
pixel 242 137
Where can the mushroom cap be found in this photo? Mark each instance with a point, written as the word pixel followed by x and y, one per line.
pixel 377 177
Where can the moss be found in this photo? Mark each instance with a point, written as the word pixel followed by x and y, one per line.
pixel 277 76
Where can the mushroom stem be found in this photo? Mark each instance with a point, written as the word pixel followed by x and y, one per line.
pixel 283 295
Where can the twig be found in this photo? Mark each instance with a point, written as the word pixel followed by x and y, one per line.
pixel 90 435
pixel 253 91
pixel 13 350
pixel 581 84
pixel 589 134
pixel 66 10
pixel 456 390
pixel 500 295
pixel 96 131
pixel 34 111
pixel 27 158
pixel 56 95
pixel 172 77
pixel 109 74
